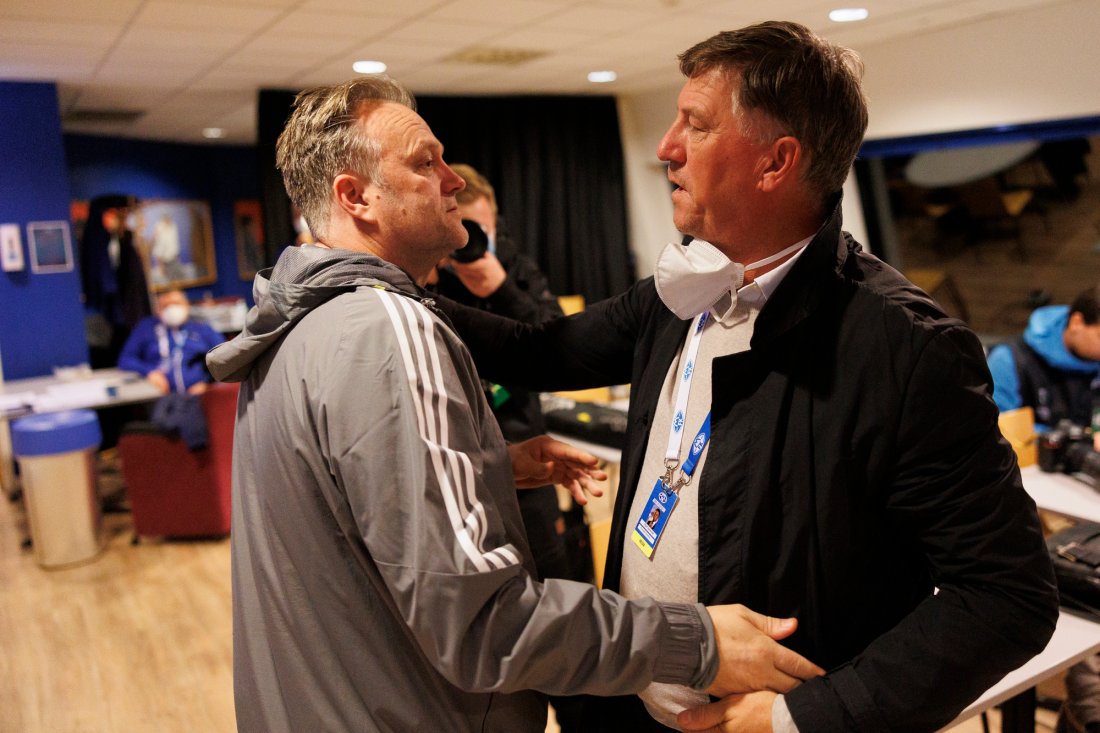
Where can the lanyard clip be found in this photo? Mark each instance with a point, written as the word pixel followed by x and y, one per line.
pixel 681 482
pixel 670 466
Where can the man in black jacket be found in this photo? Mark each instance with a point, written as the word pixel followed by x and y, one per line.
pixel 826 430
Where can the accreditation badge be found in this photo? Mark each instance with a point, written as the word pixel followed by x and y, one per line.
pixel 650 526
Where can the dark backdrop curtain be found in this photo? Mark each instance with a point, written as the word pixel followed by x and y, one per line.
pixel 274 106
pixel 556 165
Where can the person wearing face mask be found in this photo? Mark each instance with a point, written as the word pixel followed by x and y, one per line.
pixel 818 436
pixel 381 576
pixel 169 349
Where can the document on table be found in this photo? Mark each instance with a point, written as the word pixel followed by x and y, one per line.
pixel 85 393
pixel 15 404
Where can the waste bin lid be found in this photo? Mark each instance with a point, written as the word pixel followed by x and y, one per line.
pixel 55 432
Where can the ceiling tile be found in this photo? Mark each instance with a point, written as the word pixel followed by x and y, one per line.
pixel 401 8
pixel 493 12
pixel 72 12
pixel 221 16
pixel 600 20
pixel 322 28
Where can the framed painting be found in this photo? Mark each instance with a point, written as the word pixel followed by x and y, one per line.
pixel 176 241
pixel 248 225
pixel 50 245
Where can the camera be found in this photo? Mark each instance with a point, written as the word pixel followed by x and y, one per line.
pixel 1068 449
pixel 477 245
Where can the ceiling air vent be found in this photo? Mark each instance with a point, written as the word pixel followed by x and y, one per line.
pixel 494 56
pixel 104 116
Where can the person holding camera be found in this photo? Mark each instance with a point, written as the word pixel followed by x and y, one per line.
pixel 1054 367
pixel 491 274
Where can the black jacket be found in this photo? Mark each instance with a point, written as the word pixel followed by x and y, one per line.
pixel 856 466
pixel 524 296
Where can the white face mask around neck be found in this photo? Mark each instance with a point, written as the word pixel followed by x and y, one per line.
pixel 691 278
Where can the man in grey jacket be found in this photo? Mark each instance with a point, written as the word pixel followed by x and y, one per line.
pixel 381 578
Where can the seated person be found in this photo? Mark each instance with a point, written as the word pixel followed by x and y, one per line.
pixel 1054 368
pixel 169 349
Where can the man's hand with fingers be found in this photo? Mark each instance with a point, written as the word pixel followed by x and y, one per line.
pixel 750 657
pixel 749 713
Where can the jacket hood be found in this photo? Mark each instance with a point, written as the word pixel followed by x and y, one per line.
pixel 303 279
pixel 1044 334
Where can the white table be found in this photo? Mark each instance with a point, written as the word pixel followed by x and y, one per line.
pixel 1062 494
pixel 98 389
pixel 104 388
pixel 1074 639
pixel 954 166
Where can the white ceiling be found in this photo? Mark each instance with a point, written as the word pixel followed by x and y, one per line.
pixel 192 64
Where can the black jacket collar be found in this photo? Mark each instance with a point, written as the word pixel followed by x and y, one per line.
pixel 816 274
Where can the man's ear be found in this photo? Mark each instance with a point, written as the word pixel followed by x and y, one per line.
pixel 1076 320
pixel 351 193
pixel 783 163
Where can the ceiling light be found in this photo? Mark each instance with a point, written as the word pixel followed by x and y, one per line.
pixel 848 15
pixel 602 77
pixel 213 132
pixel 368 67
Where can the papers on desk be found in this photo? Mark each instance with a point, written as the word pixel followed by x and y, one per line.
pixel 70 396
pixel 15 405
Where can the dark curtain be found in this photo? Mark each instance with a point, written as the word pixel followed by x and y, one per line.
pixel 555 162
pixel 274 108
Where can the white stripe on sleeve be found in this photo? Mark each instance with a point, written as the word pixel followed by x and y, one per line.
pixel 453 469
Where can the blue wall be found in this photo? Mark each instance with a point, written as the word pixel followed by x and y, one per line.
pixel 41 317
pixel 216 174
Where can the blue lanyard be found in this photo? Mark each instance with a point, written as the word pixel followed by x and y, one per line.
pixel 698 443
pixel 697 446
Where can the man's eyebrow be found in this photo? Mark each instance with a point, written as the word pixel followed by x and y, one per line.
pixel 426 144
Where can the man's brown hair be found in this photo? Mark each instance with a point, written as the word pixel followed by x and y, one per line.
pixel 802 85
pixel 324 137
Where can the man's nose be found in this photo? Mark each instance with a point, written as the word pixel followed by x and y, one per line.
pixel 669 149
pixel 452 182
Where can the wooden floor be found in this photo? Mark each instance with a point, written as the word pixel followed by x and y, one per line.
pixel 137 640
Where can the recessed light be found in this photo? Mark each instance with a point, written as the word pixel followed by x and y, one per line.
pixel 213 132
pixel 602 77
pixel 848 15
pixel 369 67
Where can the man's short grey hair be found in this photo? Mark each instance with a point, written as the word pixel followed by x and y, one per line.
pixel 792 82
pixel 324 137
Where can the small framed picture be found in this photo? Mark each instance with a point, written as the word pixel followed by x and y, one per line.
pixel 248 223
pixel 176 240
pixel 50 246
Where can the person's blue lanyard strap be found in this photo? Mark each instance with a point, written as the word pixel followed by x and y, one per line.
pixel 697 446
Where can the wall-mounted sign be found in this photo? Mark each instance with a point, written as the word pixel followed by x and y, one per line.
pixel 11 248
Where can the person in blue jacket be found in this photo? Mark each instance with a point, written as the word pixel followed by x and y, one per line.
pixel 1054 368
pixel 169 349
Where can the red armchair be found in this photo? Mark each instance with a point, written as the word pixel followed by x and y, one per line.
pixel 176 492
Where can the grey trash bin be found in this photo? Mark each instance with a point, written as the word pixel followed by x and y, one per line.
pixel 56 453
